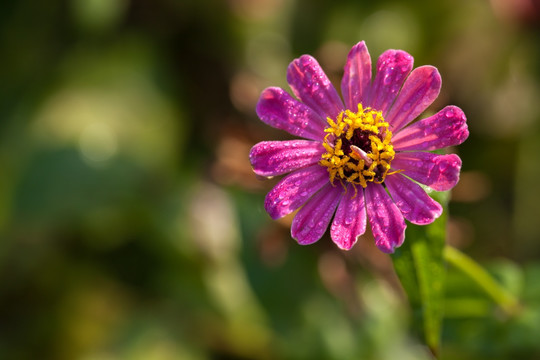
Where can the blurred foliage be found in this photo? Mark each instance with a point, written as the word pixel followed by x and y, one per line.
pixel 132 227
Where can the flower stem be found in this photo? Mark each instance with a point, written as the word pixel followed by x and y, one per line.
pixel 507 302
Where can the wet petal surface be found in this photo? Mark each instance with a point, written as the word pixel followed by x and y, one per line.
pixel 350 219
pixel 357 77
pixel 419 91
pixel 413 202
pixel 280 110
pixel 271 158
pixel 393 66
pixel 439 172
pixel 311 222
pixel 387 222
pixel 294 190
pixel 448 127
pixel 311 85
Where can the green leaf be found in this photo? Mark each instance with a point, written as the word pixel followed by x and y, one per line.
pixel 420 266
pixel 498 292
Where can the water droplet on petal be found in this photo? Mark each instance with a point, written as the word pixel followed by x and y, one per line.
pixel 449 113
pixel 443 166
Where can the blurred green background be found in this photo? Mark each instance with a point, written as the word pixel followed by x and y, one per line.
pixel 132 227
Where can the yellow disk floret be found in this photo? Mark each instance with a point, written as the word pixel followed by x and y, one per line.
pixel 358 147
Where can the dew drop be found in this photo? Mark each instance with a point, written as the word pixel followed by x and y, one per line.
pixel 285 202
pixel 303 193
pixel 449 113
pixel 443 166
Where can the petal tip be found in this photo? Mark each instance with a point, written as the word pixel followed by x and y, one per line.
pixel 266 95
pixel 359 46
pixel 388 246
pixel 345 245
pixel 303 236
pixel 385 248
pixel 271 209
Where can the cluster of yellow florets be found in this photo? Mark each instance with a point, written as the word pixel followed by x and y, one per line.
pixel 356 165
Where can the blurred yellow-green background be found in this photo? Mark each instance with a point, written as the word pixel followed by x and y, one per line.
pixel 132 227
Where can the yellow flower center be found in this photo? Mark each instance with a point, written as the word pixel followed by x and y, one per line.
pixel 358 147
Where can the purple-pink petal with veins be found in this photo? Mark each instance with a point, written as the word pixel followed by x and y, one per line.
pixel 311 221
pixel 393 66
pixel 271 158
pixel 357 77
pixel 419 91
pixel 387 222
pixel 280 110
pixel 439 172
pixel 294 190
pixel 448 127
pixel 350 220
pixel 413 202
pixel 311 85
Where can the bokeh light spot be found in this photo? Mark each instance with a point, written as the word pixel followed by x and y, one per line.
pixel 98 143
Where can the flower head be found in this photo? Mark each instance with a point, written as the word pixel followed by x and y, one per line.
pixel 363 157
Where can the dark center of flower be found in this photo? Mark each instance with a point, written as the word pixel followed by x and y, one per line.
pixel 358 147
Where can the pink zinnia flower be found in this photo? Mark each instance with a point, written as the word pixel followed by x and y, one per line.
pixel 363 157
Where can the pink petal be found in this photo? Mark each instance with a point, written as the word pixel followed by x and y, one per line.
pixel 271 158
pixel 357 77
pixel 413 202
pixel 280 110
pixel 294 189
pixel 420 90
pixel 439 172
pixel 448 127
pixel 350 219
pixel 392 69
pixel 311 85
pixel 387 223
pixel 311 222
